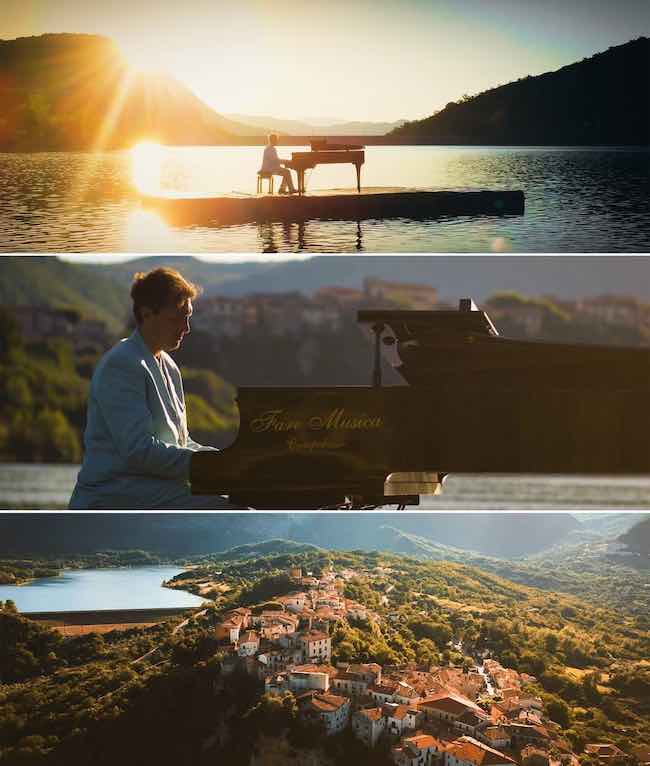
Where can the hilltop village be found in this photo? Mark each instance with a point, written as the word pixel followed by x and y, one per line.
pixel 471 715
pixel 303 656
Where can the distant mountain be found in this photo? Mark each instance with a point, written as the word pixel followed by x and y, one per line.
pixel 637 539
pixel 604 525
pixel 599 100
pixel 48 281
pixel 256 124
pixel 493 534
pixel 73 91
pixel 214 277
pixel 454 277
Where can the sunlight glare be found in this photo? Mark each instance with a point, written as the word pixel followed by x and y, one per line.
pixel 146 166
pixel 146 231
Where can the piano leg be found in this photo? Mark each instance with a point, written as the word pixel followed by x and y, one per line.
pixel 301 182
pixel 358 167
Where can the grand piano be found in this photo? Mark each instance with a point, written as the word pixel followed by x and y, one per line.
pixel 324 153
pixel 470 401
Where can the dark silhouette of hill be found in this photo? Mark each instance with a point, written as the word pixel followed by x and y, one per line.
pixel 637 539
pixel 600 100
pixel 74 91
pixel 184 534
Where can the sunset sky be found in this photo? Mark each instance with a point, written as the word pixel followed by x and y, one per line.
pixel 356 60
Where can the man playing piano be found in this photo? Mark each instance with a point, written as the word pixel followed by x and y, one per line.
pixel 137 446
pixel 271 163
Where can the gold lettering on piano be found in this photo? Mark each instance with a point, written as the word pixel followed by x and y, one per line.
pixel 338 419
pixel 298 445
pixel 273 421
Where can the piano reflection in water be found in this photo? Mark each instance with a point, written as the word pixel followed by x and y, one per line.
pixel 471 401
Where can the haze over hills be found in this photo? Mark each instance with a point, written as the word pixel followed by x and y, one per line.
pixel 73 91
pixel 48 281
pixel 600 100
pixel 265 123
pixel 101 290
pixel 502 535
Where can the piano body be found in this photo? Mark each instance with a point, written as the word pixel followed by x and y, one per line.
pixel 473 402
pixel 324 153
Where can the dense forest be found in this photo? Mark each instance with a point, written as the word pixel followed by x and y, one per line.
pixel 83 699
pixel 600 100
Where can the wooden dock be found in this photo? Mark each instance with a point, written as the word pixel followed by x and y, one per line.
pixel 333 204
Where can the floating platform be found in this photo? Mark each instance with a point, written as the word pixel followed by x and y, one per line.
pixel 333 204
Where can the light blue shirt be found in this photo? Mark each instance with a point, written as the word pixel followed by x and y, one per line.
pixel 137 448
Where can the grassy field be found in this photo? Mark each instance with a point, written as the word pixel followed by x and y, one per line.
pixel 82 630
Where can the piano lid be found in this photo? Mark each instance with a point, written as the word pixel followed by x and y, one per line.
pixel 468 318
pixel 322 144
pixel 449 348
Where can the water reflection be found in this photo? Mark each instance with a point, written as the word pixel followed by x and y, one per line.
pixel 285 237
pixel 577 200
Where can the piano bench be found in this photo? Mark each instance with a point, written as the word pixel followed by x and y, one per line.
pixel 260 177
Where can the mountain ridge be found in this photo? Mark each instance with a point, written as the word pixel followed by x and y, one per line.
pixel 582 103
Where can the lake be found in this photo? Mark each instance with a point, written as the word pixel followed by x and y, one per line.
pixel 93 589
pixel 37 486
pixel 578 200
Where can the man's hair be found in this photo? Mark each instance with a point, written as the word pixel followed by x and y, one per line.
pixel 159 288
pixel 273 138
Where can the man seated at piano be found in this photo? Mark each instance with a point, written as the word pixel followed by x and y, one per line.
pixel 137 446
pixel 271 163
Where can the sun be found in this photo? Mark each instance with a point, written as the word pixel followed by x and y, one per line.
pixel 146 166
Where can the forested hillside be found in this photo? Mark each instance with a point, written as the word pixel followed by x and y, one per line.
pixel 600 100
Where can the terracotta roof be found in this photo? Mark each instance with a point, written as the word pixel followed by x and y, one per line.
pixel 373 713
pixel 399 711
pixel 448 703
pixel 313 668
pixel 249 636
pixel 423 740
pixel 386 687
pixel 327 703
pixel 314 635
pixel 470 749
pixel 231 624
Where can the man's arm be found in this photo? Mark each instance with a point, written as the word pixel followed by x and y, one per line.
pixel 120 394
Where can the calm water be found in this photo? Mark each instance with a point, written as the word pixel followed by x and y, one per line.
pixel 90 589
pixel 577 200
pixel 49 486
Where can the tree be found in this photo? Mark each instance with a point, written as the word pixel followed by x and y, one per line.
pixel 558 711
